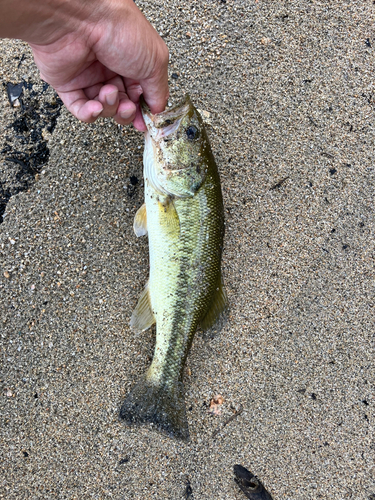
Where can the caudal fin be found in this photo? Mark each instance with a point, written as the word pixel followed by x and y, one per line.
pixel 160 404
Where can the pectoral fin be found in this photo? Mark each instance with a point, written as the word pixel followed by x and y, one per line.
pixel 140 221
pixel 219 304
pixel 142 317
pixel 168 217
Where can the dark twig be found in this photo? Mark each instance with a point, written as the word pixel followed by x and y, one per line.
pixel 188 494
pixel 312 121
pixel 21 60
pixel 221 426
pixel 279 184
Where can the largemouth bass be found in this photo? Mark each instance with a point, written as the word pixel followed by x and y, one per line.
pixel 183 217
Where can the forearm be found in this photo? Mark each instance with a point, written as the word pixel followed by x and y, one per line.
pixel 45 21
pixel 99 55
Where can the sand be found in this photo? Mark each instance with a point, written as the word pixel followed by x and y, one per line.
pixel 290 91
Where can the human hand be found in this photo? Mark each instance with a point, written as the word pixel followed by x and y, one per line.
pixel 102 62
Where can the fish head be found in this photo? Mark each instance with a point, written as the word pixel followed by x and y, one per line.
pixel 175 159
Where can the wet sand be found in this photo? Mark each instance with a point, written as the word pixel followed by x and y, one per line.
pixel 290 91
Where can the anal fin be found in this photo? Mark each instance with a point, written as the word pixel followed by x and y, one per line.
pixel 219 304
pixel 142 317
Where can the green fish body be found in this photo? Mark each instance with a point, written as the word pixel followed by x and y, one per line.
pixel 183 217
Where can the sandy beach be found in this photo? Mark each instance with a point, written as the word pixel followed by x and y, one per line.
pixel 289 92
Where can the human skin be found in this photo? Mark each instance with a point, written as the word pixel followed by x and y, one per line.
pixel 99 55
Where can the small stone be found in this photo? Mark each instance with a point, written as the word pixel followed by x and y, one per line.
pixel 46 135
pixel 265 40
pixel 9 394
pixel 14 92
pixel 6 275
pixel 206 116
pixel 215 404
pixel 218 399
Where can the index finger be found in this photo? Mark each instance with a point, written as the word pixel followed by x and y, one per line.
pixel 80 106
pixel 154 88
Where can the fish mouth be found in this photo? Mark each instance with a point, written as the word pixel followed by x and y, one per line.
pixel 160 125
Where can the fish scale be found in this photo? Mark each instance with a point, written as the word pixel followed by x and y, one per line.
pixel 185 226
pixel 196 270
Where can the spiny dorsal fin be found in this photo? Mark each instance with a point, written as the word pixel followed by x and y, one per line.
pixel 142 317
pixel 219 304
pixel 140 221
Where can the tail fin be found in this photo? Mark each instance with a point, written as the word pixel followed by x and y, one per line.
pixel 162 405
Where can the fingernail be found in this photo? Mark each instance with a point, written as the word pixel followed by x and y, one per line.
pixel 125 114
pixel 111 98
pixel 96 113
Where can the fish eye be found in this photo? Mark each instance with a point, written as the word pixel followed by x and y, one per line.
pixel 192 133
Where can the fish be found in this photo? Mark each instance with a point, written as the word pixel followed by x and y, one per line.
pixel 250 484
pixel 183 216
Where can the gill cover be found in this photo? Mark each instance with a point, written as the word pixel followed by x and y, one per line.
pixel 175 163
